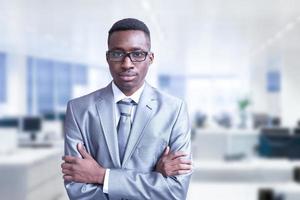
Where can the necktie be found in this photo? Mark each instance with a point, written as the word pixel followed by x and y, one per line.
pixel 125 106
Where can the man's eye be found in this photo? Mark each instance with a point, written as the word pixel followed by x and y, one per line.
pixel 138 54
pixel 117 54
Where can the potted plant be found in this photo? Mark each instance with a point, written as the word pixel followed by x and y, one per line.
pixel 243 104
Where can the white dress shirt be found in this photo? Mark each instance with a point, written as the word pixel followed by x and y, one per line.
pixel 118 96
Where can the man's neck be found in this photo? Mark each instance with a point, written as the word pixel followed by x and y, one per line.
pixel 129 91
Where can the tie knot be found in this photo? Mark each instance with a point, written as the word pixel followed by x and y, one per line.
pixel 125 107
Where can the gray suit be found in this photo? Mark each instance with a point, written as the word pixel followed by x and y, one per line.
pixel 160 120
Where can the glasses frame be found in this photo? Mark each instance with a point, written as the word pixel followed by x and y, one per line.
pixel 127 54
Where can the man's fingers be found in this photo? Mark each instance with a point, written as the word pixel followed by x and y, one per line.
pixel 178 172
pixel 167 150
pixel 182 160
pixel 69 159
pixel 66 172
pixel 179 161
pixel 183 167
pixel 66 166
pixel 177 166
pixel 178 154
pixel 67 178
pixel 82 151
pixel 181 172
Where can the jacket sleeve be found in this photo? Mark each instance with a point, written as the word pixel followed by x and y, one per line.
pixel 133 185
pixel 73 136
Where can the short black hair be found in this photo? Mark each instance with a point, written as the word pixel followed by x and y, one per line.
pixel 129 24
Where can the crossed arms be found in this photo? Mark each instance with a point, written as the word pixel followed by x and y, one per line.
pixel 87 170
pixel 84 176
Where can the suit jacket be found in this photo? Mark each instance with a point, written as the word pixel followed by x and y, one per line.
pixel 160 120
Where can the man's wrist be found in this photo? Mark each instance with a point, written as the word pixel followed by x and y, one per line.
pixel 101 175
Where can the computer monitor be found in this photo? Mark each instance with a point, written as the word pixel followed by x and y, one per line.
pixel 11 122
pixel 297 131
pixel 199 119
pixel 276 122
pixel 260 120
pixel 266 194
pixel 62 116
pixel 296 174
pixel 275 131
pixel 49 116
pixel 31 125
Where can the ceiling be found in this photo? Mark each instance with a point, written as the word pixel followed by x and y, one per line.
pixel 191 32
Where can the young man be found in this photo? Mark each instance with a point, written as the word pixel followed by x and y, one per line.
pixel 127 140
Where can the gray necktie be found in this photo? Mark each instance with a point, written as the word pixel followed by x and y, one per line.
pixel 124 125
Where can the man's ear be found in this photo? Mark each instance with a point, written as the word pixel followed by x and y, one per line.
pixel 106 56
pixel 151 56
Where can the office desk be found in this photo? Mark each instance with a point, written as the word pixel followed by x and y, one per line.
pixel 240 191
pixel 8 139
pixel 220 144
pixel 255 170
pixel 31 174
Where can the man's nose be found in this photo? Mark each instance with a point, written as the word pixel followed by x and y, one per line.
pixel 127 63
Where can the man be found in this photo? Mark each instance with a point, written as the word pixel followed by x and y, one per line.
pixel 127 140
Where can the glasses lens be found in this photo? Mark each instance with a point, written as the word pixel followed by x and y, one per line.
pixel 119 56
pixel 116 55
pixel 138 56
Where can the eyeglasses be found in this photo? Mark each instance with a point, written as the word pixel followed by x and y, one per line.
pixel 119 56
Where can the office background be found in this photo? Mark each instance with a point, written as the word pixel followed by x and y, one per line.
pixel 234 62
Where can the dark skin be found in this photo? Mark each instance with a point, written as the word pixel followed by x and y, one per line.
pixel 129 77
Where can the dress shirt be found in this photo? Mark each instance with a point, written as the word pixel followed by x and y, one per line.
pixel 118 96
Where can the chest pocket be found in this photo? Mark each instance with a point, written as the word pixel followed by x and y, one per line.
pixel 148 152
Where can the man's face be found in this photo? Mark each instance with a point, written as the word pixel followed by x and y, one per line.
pixel 129 76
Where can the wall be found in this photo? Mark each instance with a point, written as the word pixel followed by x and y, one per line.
pixel 290 80
pixel 16 80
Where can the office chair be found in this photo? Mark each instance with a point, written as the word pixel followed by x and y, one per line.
pixel 296 174
pixel 266 194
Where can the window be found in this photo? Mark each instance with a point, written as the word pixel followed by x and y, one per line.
pixel 213 95
pixel 63 82
pixel 273 81
pixel 79 74
pixel 50 84
pixel 45 85
pixel 2 77
pixel 40 83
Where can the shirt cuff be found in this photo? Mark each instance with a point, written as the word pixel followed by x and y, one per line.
pixel 105 185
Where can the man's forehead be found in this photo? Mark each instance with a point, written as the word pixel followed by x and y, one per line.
pixel 128 33
pixel 133 38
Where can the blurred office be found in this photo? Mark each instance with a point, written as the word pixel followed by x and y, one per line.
pixel 235 63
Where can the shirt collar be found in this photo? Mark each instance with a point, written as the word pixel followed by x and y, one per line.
pixel 119 95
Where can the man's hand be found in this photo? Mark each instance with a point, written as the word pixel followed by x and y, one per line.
pixel 171 164
pixel 83 170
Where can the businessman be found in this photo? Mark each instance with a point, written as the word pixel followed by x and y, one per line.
pixel 127 140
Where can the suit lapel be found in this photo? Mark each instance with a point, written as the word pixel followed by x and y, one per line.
pixel 144 113
pixel 106 110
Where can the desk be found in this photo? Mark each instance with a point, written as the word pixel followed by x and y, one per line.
pixel 8 140
pixel 255 171
pixel 216 177
pixel 31 174
pixel 219 144
pixel 240 191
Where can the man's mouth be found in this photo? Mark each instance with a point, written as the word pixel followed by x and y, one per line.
pixel 127 76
